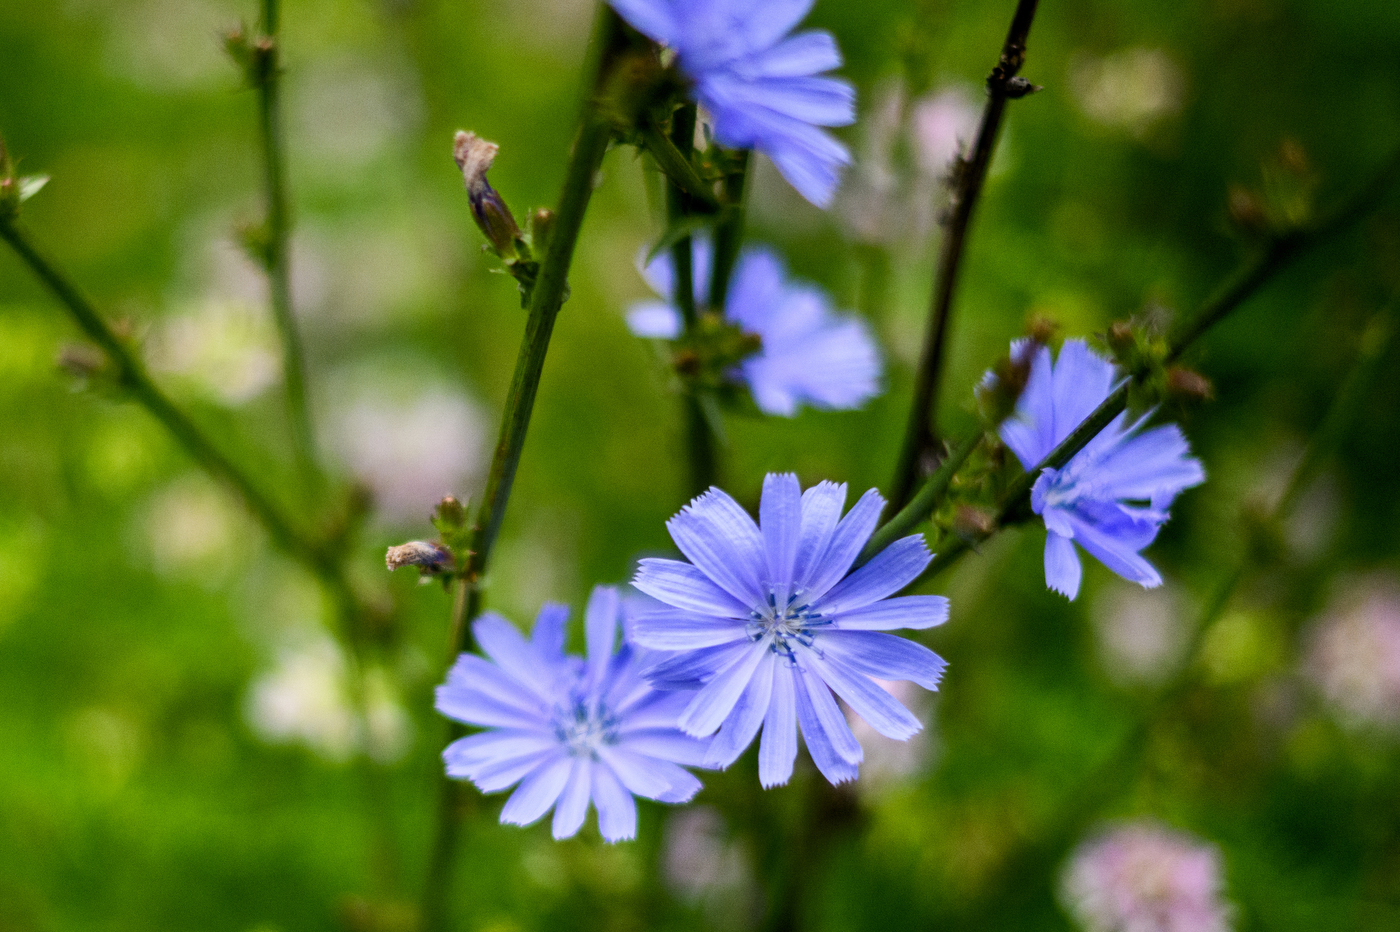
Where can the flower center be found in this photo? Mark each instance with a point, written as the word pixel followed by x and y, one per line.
pixel 784 622
pixel 582 732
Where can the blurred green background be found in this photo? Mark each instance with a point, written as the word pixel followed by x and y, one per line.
pixel 176 750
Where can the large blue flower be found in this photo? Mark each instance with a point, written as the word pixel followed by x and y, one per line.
pixel 808 355
pixel 1112 497
pixel 765 623
pixel 760 86
pixel 567 728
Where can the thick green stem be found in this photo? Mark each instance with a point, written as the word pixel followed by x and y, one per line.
pixel 729 232
pixel 277 257
pixel 548 295
pixel 924 502
pixel 921 434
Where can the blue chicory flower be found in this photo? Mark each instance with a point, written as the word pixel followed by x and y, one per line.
pixel 568 729
pixel 1112 497
pixel 766 621
pixel 761 87
pixel 809 354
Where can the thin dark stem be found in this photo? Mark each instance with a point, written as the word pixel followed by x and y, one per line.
pixel 673 158
pixel 1103 783
pixel 701 446
pixel 132 374
pixel 729 232
pixel 921 434
pixel 278 231
pixel 548 295
pixel 1280 253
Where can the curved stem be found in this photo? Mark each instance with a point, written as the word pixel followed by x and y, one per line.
pixel 277 257
pixel 921 434
pixel 1281 252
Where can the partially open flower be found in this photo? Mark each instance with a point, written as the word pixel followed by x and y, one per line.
pixel 428 557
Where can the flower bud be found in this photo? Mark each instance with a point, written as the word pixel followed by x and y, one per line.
pixel 450 513
pixel 1189 385
pixel 430 558
pixel 541 225
pixel 474 156
pixel 972 523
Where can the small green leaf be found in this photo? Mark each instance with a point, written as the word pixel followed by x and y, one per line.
pixel 679 230
pixel 31 185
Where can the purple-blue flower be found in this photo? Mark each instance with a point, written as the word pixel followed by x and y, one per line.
pixel 1112 497
pixel 767 620
pixel 761 87
pixel 809 354
pixel 568 729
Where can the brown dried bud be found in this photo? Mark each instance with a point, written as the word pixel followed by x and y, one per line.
pixel 973 523
pixel 1041 329
pixel 81 360
pixel 429 557
pixel 1120 337
pixel 474 156
pixel 1246 210
pixel 1189 384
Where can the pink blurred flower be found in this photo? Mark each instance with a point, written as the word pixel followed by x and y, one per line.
pixel 1353 655
pixel 1144 877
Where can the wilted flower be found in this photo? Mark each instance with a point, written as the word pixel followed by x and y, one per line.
pixel 766 622
pixel 1144 877
pixel 1112 497
pixel 1353 657
pixel 808 354
pixel 762 88
pixel 567 729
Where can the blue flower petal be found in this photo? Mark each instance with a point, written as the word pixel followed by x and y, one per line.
pixel 617 811
pixel 742 724
pixel 778 749
pixel 885 656
pixel 879 709
pixel 600 632
pixel 888 571
pixel 654 320
pixel 780 521
pixel 655 19
pixel 686 587
pixel 675 629
pixel 850 537
pixel 714 701
pixel 649 777
pixel 907 611
pixel 548 636
pixel 1063 571
pixel 665 744
pixel 516 656
pixel 805 53
pixel 572 807
pixel 537 792
pixel 721 539
pixel 834 750
pixel 821 510
pixel 692 669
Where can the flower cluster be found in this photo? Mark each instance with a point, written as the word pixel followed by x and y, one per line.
pixel 757 631
pixel 1113 497
pixel 807 354
pixel 761 87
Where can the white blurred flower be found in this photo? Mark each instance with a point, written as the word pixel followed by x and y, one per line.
pixel 346 114
pixel 193 529
pixel 305 699
pixel 1144 877
pixel 702 864
pixel 1141 633
pixel 409 451
pixel 889 762
pixel 227 347
pixel 1353 655
pixel 899 181
pixel 1131 89
pixel 170 45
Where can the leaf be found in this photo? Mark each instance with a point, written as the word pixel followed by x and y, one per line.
pixel 30 185
pixel 679 229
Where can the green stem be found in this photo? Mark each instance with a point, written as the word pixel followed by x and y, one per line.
pixel 137 381
pixel 700 437
pixel 278 255
pixel 921 434
pixel 548 295
pixel 922 505
pixel 672 158
pixel 1279 254
pixel 729 232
